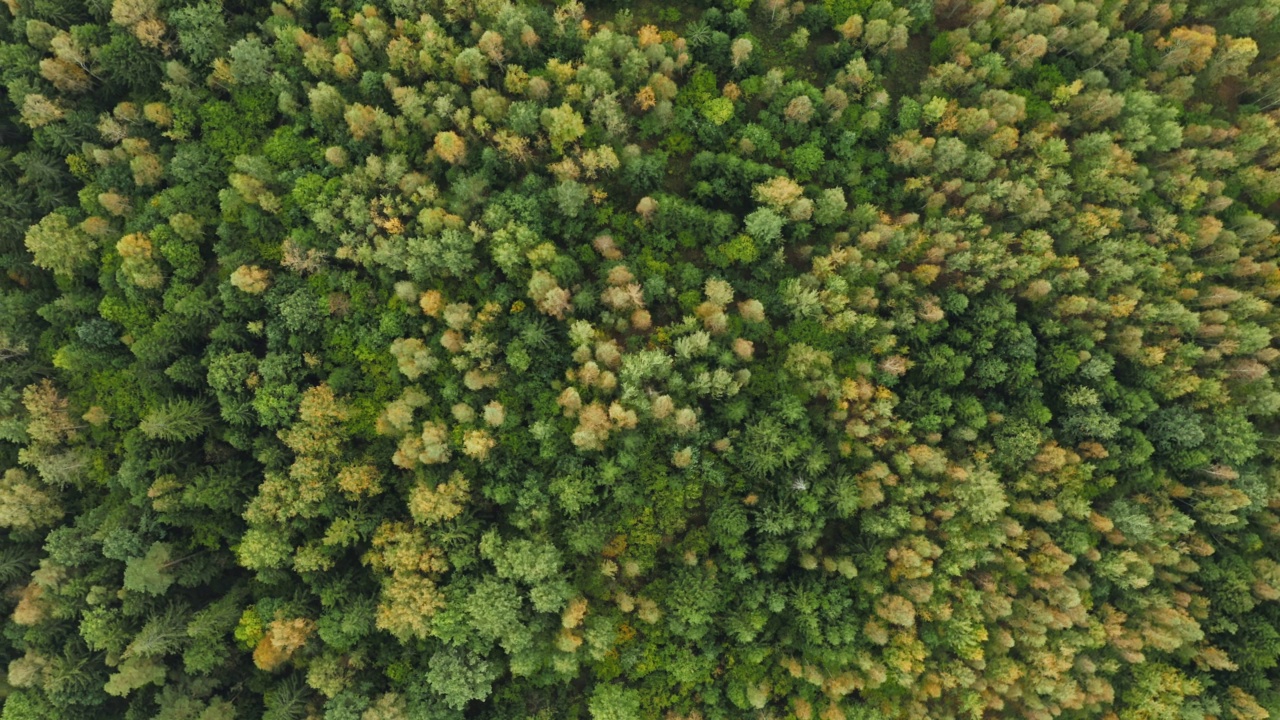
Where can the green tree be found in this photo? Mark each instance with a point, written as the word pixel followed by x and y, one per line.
pixel 614 702
pixel 59 246
pixel 563 125
pixel 177 420
pixel 148 573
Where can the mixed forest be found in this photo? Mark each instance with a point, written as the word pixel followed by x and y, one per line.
pixel 761 359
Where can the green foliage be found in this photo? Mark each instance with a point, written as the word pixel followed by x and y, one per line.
pixel 177 420
pixel 148 573
pixel 718 110
pixel 459 678
pixel 202 31
pixel 861 359
pixel 134 674
pixel 563 124
pixel 58 246
pixel 614 702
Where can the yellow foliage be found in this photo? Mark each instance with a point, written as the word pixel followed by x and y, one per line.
pixel 282 639
pixel 431 505
pixel 251 279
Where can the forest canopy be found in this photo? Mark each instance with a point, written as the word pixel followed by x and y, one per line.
pixel 478 359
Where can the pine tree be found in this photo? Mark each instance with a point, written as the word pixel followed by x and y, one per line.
pixel 177 421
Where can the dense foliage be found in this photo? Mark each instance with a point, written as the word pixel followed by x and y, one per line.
pixel 454 359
